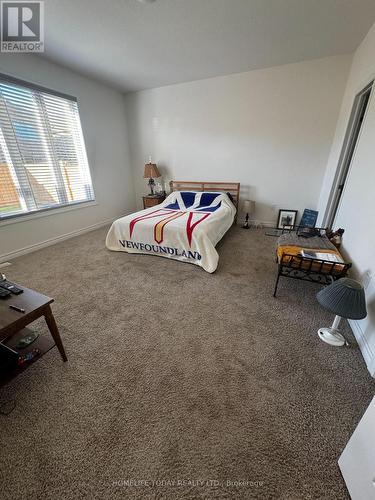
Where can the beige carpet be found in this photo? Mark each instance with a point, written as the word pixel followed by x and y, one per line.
pixel 176 375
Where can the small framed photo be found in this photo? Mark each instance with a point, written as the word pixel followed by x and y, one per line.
pixel 287 219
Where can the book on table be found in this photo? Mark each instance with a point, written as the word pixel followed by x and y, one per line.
pixel 319 255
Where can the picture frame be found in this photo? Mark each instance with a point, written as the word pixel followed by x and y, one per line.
pixel 309 218
pixel 287 218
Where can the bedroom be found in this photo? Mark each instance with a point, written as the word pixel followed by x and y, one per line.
pixel 175 374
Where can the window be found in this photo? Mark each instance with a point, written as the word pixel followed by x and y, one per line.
pixel 43 162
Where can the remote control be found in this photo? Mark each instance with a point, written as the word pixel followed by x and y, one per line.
pixel 4 293
pixel 11 287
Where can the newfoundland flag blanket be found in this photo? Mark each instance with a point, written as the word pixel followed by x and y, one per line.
pixel 186 226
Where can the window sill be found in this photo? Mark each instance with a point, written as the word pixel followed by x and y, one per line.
pixel 47 213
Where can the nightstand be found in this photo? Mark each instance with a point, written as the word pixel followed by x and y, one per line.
pixel 151 201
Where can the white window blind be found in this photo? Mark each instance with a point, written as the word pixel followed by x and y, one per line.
pixel 43 162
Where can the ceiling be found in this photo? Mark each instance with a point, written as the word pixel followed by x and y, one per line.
pixel 133 45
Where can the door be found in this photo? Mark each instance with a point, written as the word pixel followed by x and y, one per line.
pixel 350 142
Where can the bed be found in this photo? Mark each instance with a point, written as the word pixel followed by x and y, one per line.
pixel 293 264
pixel 186 226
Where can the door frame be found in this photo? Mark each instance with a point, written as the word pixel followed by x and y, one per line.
pixel 352 134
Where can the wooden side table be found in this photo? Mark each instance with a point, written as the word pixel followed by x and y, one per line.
pixel 152 201
pixel 13 323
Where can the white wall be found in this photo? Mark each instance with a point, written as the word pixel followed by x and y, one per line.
pixel 356 212
pixel 269 129
pixel 104 129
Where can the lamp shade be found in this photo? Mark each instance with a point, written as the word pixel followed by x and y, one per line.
pixel 344 297
pixel 151 171
pixel 248 206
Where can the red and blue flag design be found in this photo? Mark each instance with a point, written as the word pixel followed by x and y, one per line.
pixel 196 207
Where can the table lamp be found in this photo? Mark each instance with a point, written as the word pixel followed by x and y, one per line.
pixel 151 172
pixel 248 206
pixel 345 298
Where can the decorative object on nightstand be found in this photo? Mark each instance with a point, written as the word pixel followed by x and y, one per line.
pixel 159 187
pixel 248 207
pixel 151 172
pixel 345 298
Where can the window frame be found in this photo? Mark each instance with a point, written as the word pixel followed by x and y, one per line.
pixel 62 207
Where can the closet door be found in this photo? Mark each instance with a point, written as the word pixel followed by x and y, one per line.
pixel 357 207
pixel 356 214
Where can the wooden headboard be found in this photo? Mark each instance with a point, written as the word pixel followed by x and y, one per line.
pixel 226 187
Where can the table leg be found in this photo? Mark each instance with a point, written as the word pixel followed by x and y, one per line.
pixel 51 323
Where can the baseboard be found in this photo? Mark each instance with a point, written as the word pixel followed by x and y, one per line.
pixel 265 224
pixel 259 223
pixel 52 241
pixel 366 350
